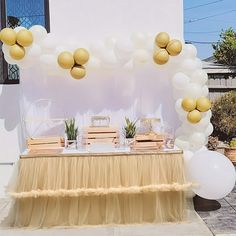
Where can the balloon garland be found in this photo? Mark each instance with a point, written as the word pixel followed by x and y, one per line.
pixel 26 48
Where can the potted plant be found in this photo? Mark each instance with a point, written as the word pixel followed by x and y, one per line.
pixel 129 130
pixel 71 132
pixel 230 151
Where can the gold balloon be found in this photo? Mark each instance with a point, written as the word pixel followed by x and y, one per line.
pixel 81 56
pixel 66 60
pixel 189 104
pixel 78 72
pixel 162 39
pixel 174 47
pixel 17 52
pixel 24 38
pixel 194 116
pixel 203 104
pixel 8 36
pixel 161 56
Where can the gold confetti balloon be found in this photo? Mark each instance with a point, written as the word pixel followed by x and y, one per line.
pixel 189 104
pixel 162 39
pixel 24 38
pixel 161 57
pixel 203 104
pixel 174 47
pixel 194 116
pixel 66 60
pixel 17 52
pixel 8 36
pixel 81 56
pixel 78 72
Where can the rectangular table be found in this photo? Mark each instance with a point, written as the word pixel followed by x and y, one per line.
pixel 97 189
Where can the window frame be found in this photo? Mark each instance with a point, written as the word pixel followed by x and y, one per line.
pixel 6 80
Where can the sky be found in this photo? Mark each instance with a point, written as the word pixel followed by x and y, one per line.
pixel 218 15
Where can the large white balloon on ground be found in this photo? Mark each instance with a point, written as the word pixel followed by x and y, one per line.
pixel 214 174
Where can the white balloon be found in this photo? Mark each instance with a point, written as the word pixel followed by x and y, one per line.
pixel 108 59
pixel 10 60
pixel 141 56
pixel 178 107
pixel 178 93
pixel 187 156
pixel 49 43
pixel 200 77
pixel 6 49
pixel 123 51
pixel 93 63
pixel 182 143
pixel 188 66
pixel 197 138
pixel 205 91
pixel 34 51
pixel 180 80
pixel 214 173
pixel 48 62
pixel 193 90
pixel 39 33
pixel 18 28
pixel 190 51
pixel 139 40
pixel 198 62
pixel 209 130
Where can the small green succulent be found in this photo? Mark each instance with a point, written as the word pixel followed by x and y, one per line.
pixel 70 129
pixel 130 128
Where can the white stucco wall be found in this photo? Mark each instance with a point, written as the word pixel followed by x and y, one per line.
pixel 116 93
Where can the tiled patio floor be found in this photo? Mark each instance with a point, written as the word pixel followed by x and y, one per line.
pixel 222 221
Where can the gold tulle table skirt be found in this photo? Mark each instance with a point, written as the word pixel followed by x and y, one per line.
pixel 96 189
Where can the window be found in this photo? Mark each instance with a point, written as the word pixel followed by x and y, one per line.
pixel 20 13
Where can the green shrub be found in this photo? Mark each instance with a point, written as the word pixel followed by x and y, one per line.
pixel 224 116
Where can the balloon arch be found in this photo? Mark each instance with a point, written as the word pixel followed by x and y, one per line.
pixel 27 48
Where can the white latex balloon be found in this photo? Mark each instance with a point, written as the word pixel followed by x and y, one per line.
pixel 188 66
pixel 190 51
pixel 34 51
pixel 187 156
pixel 198 63
pixel 93 63
pixel 108 59
pixel 39 33
pixel 180 80
pixel 18 28
pixel 139 40
pixel 200 77
pixel 197 138
pixel 214 173
pixel 123 51
pixel 182 143
pixel 141 56
pixel 205 91
pixel 178 93
pixel 193 90
pixel 49 43
pixel 209 130
pixel 5 49
pixel 48 62
pixel 9 60
pixel 178 107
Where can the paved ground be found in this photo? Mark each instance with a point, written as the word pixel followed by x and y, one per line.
pixel 223 221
